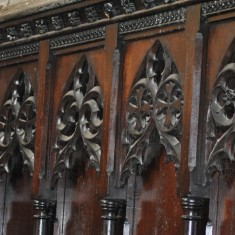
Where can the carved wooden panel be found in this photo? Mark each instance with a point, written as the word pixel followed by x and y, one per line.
pixel 220 128
pixel 76 174
pixel 79 121
pixel 17 125
pixel 123 86
pixel 18 114
pixel 154 113
pixel 221 111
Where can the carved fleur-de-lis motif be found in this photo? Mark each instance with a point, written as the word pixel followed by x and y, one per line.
pixel 79 122
pixel 153 114
pixel 17 125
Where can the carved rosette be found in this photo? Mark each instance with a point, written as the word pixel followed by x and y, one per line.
pixel 18 125
pixel 153 114
pixel 79 122
pixel 221 120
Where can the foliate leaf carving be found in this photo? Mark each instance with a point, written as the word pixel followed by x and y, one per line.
pixel 79 122
pixel 221 119
pixel 128 6
pixel 153 114
pixel 18 125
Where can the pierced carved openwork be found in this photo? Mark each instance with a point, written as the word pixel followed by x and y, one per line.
pixel 154 113
pixel 79 121
pixel 221 115
pixel 18 125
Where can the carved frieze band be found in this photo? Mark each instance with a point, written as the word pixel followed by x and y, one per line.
pixel 79 122
pixel 92 13
pixel 213 7
pixel 17 126
pixel 221 116
pixel 154 113
pixel 77 38
pixel 156 20
pixel 18 51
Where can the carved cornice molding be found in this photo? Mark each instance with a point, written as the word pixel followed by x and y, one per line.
pixel 214 7
pixel 78 17
pixel 156 20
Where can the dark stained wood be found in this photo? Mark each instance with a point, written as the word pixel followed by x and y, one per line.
pixel 123 146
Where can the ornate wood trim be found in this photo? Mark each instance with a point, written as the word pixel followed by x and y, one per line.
pixel 78 38
pixel 18 124
pixel 94 14
pixel 215 7
pixel 79 121
pixel 154 113
pixel 221 114
pixel 157 20
pixel 18 51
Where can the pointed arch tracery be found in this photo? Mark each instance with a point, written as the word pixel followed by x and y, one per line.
pixel 221 115
pixel 79 121
pixel 153 113
pixel 18 124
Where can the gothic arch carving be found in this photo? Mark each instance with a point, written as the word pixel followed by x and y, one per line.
pixel 18 125
pixel 79 121
pixel 221 115
pixel 154 113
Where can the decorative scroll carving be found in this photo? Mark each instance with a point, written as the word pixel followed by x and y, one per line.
pixel 157 20
pixel 17 125
pixel 154 113
pixel 221 118
pixel 79 121
pixel 212 7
